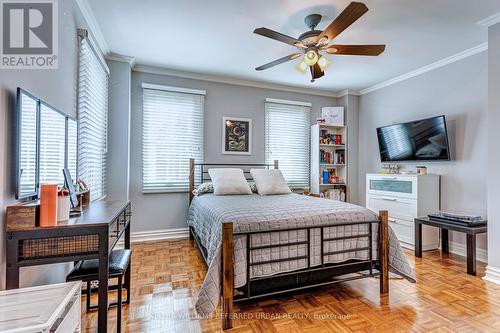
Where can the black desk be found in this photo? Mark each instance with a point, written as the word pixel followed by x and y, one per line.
pixel 470 231
pixel 91 236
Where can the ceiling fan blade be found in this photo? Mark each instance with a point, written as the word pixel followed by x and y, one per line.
pixel 276 36
pixel 316 72
pixel 361 50
pixel 350 15
pixel 279 61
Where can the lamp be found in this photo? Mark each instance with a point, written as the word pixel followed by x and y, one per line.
pixel 311 57
pixel 301 66
pixel 323 62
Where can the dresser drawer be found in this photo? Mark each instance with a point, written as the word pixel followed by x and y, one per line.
pixel 397 186
pixel 404 230
pixel 398 207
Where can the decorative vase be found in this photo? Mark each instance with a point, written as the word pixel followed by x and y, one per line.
pixel 63 207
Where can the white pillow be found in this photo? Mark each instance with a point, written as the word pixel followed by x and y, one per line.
pixel 229 181
pixel 269 182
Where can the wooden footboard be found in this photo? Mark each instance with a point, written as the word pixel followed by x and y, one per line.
pixel 228 266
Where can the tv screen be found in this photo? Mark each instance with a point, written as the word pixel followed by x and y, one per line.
pixel 421 140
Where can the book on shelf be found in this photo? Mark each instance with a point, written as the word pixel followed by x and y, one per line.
pixel 330 157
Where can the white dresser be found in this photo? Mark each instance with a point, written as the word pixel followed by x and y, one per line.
pixel 406 197
pixel 52 308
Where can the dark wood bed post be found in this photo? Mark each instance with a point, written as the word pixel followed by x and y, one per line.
pixel 227 275
pixel 384 251
pixel 191 186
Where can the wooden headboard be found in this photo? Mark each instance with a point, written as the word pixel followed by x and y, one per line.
pixel 200 171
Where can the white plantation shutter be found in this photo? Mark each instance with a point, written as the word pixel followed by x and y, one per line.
pixel 93 121
pixel 172 133
pixel 287 140
pixel 52 145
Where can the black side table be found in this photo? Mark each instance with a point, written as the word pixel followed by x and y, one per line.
pixel 470 231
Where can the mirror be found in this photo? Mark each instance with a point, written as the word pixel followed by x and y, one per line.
pixel 27 120
pixel 72 146
pixel 52 145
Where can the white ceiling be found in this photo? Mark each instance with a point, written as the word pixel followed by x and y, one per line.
pixel 216 36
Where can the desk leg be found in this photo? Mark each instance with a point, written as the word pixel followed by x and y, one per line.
pixel 103 281
pixel 127 273
pixel 418 239
pixel 444 240
pixel 471 254
pixel 12 259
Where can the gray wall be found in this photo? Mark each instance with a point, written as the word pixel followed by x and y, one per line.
pixel 58 88
pixel 459 91
pixel 118 166
pixel 166 211
pixel 493 150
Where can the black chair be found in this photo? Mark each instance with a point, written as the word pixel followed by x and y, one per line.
pixel 88 271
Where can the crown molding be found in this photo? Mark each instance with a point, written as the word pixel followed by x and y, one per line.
pixel 231 80
pixel 490 20
pixel 422 70
pixel 96 32
pixel 348 92
pixel 121 58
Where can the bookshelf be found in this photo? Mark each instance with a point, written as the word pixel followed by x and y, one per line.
pixel 329 153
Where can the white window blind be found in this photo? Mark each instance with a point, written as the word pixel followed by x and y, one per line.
pixel 172 133
pixel 93 121
pixel 27 145
pixel 72 146
pixel 52 145
pixel 287 140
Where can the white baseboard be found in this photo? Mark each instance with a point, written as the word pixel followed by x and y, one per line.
pixel 157 235
pixel 461 250
pixel 492 274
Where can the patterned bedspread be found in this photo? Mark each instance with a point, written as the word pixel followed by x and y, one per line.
pixel 208 212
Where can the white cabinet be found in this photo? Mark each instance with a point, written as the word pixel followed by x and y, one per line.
pixel 406 197
pixel 52 308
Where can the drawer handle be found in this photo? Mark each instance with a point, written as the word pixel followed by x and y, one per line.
pixel 389 199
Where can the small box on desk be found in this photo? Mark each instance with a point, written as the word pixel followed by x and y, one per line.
pixel 22 216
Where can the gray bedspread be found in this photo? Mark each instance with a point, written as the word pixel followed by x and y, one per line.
pixel 208 212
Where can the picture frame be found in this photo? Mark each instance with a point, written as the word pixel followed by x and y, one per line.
pixel 236 136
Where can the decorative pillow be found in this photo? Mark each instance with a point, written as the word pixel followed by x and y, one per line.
pixel 208 187
pixel 228 181
pixel 203 188
pixel 269 182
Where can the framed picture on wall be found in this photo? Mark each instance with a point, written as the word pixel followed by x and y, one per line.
pixel 236 136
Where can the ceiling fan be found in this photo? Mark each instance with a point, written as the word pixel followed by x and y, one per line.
pixel 315 42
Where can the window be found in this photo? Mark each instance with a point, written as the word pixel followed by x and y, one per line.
pixel 72 146
pixel 52 145
pixel 172 133
pixel 93 120
pixel 287 139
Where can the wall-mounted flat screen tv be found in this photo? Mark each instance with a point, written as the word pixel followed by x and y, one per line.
pixel 421 140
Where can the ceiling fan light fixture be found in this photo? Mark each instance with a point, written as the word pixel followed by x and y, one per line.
pixel 311 57
pixel 323 62
pixel 301 66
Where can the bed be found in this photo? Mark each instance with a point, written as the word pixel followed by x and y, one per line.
pixel 257 246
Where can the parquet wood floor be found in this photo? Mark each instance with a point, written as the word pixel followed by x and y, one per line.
pixel 166 275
